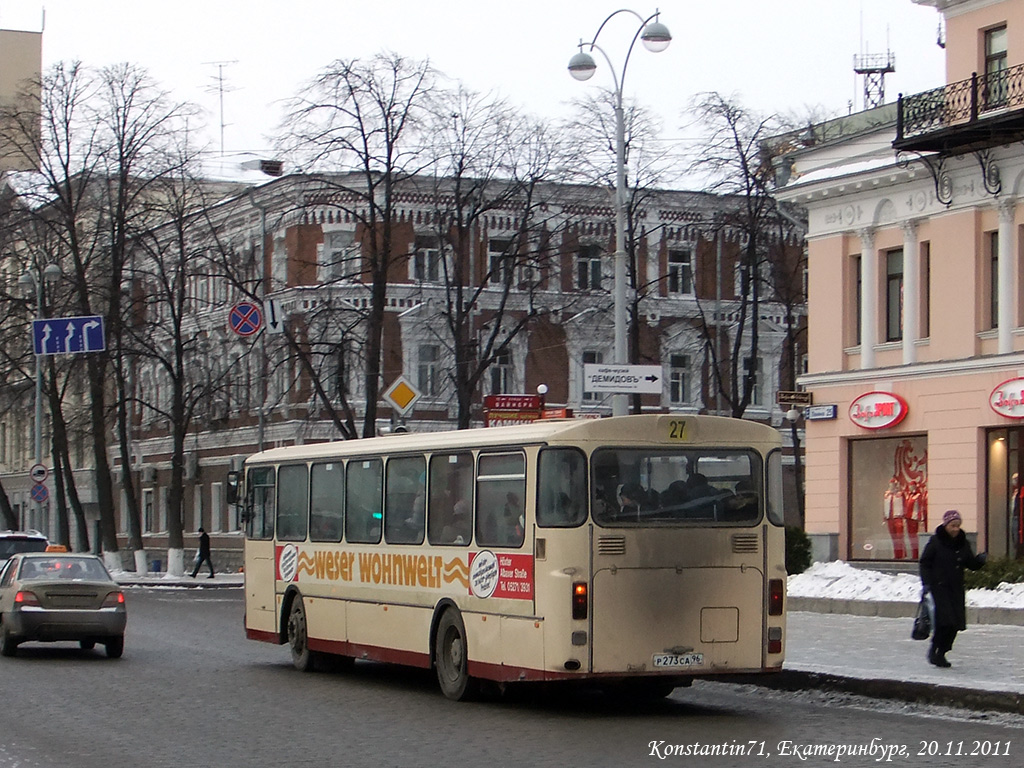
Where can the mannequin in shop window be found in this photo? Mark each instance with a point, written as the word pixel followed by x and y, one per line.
pixel 906 502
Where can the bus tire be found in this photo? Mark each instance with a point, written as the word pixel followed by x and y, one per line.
pixel 303 659
pixel 451 658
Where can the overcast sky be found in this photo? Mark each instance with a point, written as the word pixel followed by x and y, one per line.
pixel 775 55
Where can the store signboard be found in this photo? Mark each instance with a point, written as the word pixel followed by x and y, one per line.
pixel 1007 399
pixel 878 410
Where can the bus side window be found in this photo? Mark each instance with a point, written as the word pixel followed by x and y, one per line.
pixel 561 488
pixel 326 497
pixel 363 487
pixel 260 501
pixel 405 500
pixel 449 518
pixel 500 499
pixel 292 502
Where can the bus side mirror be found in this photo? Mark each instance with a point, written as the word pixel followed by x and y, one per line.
pixel 232 488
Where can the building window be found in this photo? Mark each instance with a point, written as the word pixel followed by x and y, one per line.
pixel 592 358
pixel 428 370
pixel 752 367
pixel 926 290
pixel 994 90
pixel 501 374
pixel 679 379
pixel 148 512
pixel 993 279
pixel 427 260
pixel 858 298
pixel 680 272
pixel 588 268
pixel 894 295
pixel 499 261
pixel 340 257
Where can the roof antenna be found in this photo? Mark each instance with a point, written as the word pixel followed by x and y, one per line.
pixel 220 87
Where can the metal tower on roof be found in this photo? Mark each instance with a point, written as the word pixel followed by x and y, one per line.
pixel 874 67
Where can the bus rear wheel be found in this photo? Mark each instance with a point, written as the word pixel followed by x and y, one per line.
pixel 450 658
pixel 298 640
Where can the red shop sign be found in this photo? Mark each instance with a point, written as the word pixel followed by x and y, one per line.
pixel 878 410
pixel 1008 399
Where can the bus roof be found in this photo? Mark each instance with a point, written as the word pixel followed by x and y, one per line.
pixel 648 429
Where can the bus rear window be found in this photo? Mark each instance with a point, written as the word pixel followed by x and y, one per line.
pixel 638 487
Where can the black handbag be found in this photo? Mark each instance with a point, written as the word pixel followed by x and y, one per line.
pixel 923 619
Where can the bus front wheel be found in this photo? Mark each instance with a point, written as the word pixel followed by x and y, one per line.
pixel 298 640
pixel 450 658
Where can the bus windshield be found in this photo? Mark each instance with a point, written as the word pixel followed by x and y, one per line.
pixel 645 487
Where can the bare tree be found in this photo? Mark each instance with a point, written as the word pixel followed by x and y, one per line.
pixel 648 167
pixel 489 164
pixel 731 159
pixel 102 147
pixel 363 116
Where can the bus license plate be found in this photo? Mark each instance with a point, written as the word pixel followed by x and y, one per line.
pixel 678 659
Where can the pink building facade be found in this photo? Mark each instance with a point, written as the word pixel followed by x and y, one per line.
pixel 916 304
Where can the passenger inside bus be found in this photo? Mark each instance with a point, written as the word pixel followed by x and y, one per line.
pixel 459 528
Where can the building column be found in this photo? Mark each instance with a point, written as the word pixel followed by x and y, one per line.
pixel 911 291
pixel 1007 209
pixel 868 298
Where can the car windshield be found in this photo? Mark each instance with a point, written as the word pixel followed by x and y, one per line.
pixel 12 545
pixel 63 568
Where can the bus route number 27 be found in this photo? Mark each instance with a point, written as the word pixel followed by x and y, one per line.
pixel 677 429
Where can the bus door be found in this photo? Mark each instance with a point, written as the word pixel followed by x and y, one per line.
pixel 562 540
pixel 260 565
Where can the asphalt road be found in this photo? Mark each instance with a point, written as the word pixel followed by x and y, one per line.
pixel 191 691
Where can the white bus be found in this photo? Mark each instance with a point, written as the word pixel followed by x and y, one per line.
pixel 638 551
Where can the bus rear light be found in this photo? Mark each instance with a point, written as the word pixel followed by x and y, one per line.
pixel 774 639
pixel 579 600
pixel 776 592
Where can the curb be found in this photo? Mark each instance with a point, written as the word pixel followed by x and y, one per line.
pixel 179 583
pixel 892 609
pixel 911 692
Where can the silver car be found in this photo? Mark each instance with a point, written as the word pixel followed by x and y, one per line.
pixel 50 596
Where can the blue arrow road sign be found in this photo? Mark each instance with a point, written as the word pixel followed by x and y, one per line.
pixel 68 335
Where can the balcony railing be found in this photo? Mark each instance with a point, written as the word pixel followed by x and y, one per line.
pixel 949 118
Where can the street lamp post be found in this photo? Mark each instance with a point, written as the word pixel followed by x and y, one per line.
pixel 29 282
pixel 655 37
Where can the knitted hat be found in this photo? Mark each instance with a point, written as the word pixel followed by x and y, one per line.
pixel 950 516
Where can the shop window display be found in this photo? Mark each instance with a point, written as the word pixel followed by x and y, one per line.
pixel 889 498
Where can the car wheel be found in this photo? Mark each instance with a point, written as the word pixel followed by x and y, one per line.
pixel 115 647
pixel 450 658
pixel 8 645
pixel 303 659
pixel 86 645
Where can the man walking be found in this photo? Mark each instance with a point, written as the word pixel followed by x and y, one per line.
pixel 203 555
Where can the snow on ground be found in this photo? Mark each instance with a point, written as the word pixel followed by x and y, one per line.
pixel 841 580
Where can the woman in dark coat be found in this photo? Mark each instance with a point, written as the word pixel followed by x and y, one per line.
pixel 942 573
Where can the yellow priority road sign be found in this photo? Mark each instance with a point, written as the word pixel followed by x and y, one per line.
pixel 402 395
